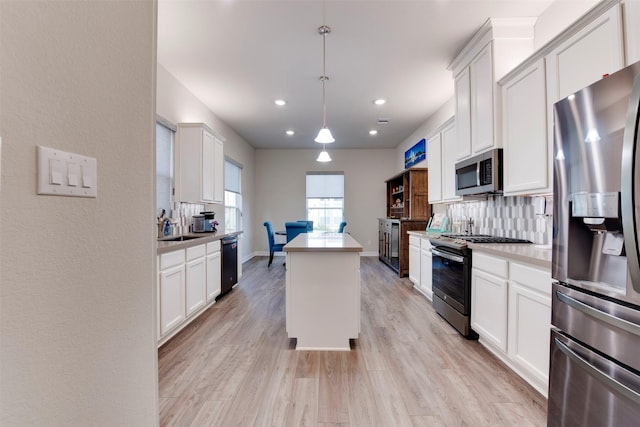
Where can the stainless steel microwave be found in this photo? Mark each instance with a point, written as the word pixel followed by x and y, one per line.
pixel 480 174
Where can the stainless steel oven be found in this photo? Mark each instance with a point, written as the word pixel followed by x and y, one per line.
pixel 451 275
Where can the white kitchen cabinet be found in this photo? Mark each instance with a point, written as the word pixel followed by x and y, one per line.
pixel 442 157
pixel 583 58
pixel 530 321
pixel 631 12
pixel 414 259
pixel 489 300
pixel 482 102
pixel 214 276
pixel 449 149
pixel 527 154
pixel 463 113
pixel 495 49
pixel 199 160
pixel 434 163
pixel 171 291
pixel 426 271
pixel 195 282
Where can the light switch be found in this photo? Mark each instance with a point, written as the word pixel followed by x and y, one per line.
pixel 73 171
pixel 55 172
pixel 66 174
pixel 87 179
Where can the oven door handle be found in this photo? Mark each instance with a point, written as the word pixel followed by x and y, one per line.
pixel 597 373
pixel 448 256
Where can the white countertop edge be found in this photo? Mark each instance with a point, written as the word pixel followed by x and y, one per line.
pixel 323 242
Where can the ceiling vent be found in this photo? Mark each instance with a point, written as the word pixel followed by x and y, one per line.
pixel 383 121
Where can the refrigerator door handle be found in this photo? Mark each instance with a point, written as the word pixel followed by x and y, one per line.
pixel 629 187
pixel 598 374
pixel 599 314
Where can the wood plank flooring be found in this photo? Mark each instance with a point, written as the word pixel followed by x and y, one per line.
pixel 235 366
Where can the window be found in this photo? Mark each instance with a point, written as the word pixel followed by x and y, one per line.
pixel 164 166
pixel 232 197
pixel 325 200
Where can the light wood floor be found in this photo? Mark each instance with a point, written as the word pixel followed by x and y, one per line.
pixel 235 366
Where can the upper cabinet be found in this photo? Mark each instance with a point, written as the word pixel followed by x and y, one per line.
pixel 591 47
pixel 494 50
pixel 586 55
pixel 631 12
pixel 524 132
pixel 199 164
pixel 443 150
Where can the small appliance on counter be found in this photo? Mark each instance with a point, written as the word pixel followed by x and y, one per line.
pixel 197 224
pixel 209 221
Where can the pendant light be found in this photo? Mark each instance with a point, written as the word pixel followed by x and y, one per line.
pixel 324 136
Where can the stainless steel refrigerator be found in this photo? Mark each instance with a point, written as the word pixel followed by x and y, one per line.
pixel 594 377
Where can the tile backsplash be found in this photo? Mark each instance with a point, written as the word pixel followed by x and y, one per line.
pixel 512 216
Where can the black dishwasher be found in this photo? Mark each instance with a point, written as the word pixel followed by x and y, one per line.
pixel 229 263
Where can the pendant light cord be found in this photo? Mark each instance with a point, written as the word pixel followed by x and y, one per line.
pixel 324 30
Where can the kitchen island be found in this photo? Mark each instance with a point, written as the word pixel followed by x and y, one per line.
pixel 323 290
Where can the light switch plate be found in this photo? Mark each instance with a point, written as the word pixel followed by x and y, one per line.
pixel 59 174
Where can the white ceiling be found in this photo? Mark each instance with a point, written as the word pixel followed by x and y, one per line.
pixel 238 56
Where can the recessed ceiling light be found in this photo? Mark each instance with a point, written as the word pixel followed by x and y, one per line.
pixel 280 102
pixel 373 132
pixel 380 101
pixel 290 132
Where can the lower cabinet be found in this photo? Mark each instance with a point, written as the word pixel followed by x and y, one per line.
pixel 188 282
pixel 489 300
pixel 511 311
pixel 426 277
pixel 171 292
pixel 420 264
pixel 530 322
pixel 195 278
pixel 214 270
pixel 414 260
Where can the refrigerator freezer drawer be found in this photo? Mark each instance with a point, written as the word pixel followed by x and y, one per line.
pixel 589 390
pixel 605 325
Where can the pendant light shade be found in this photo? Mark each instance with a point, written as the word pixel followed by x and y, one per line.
pixel 323 157
pixel 324 136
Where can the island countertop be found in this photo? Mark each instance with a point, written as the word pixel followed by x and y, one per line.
pixel 323 242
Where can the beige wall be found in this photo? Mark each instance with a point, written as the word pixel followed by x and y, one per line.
pixel 558 16
pixel 176 104
pixel 77 312
pixel 280 189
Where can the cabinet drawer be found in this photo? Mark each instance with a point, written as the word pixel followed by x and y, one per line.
pixel 414 240
pixel 535 278
pixel 490 264
pixel 213 247
pixel 195 252
pixel 171 259
pixel 425 244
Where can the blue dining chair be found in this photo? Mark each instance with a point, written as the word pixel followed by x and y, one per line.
pixel 294 228
pixel 343 224
pixel 309 225
pixel 273 246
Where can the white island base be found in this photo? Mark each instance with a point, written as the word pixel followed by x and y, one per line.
pixel 323 291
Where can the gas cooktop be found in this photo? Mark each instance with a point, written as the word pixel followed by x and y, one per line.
pixel 484 238
pixel 459 241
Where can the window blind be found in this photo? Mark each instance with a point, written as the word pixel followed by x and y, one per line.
pixel 328 185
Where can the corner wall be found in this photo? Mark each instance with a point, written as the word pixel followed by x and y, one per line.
pixel 77 298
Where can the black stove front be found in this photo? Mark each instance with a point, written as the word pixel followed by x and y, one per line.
pixel 451 273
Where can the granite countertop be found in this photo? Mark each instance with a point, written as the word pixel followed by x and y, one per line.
pixel 191 239
pixel 323 242
pixel 523 252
